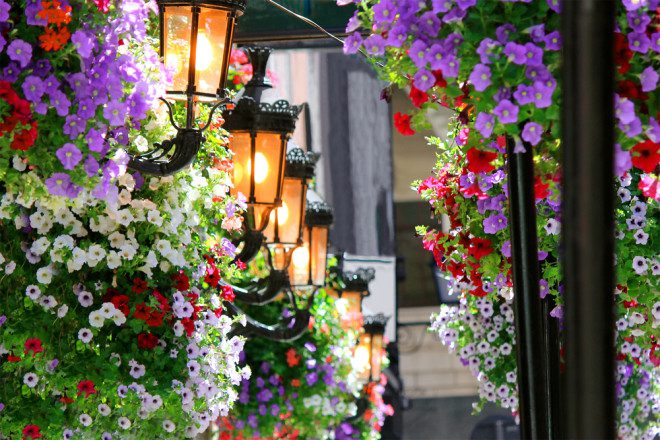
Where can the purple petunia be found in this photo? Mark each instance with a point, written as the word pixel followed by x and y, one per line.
pixel 638 42
pixel 33 88
pixel 503 32
pixel 91 166
pixel 649 79
pixel 532 133
pixel 506 111
pixel 524 94
pixel 552 41
pixel 486 50
pixel 506 249
pixel 4 11
pixel 83 42
pixel 429 23
pixel 384 12
pixel 417 53
pixel 480 77
pixel 542 94
pixel 424 80
pixel 543 288
pixel 516 53
pixel 60 102
pixel 115 112
pixel 69 155
pixel 494 223
pixel 20 51
pixel 397 36
pixel 622 160
pixel 375 45
pixel 485 123
pixel 533 54
pixel 352 43
pixel 59 184
pixel 638 22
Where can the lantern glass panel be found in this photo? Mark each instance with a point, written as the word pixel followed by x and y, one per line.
pixel 362 357
pixel 211 39
pixel 285 221
pixel 319 253
pixel 299 268
pixel 176 52
pixel 268 166
pixel 354 300
pixel 376 348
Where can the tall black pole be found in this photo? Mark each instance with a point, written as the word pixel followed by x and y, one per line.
pixel 531 341
pixel 588 218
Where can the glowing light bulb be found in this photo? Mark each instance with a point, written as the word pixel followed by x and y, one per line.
pixel 282 214
pixel 260 167
pixel 300 257
pixel 204 55
pixel 361 358
pixel 238 173
pixel 173 62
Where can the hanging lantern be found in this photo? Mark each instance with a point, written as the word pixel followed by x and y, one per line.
pixel 284 230
pixel 260 132
pixel 368 353
pixel 195 43
pixel 308 261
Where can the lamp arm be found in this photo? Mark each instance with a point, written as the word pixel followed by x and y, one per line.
pixel 184 147
pixel 287 330
pixel 265 290
pixel 252 241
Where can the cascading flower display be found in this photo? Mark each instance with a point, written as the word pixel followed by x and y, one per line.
pixel 110 326
pixel 497 65
pixel 298 389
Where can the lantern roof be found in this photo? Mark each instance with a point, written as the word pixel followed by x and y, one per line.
pixel 318 212
pixel 238 5
pixel 358 280
pixel 257 109
pixel 375 324
pixel 299 163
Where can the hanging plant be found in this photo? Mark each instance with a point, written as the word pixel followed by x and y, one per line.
pixel 111 320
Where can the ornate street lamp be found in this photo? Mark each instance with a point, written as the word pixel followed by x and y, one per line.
pixel 283 232
pixel 370 346
pixel 309 260
pixel 195 42
pixel 260 129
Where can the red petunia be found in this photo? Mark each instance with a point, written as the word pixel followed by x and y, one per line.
pixel 439 79
pixel 479 161
pixel 479 248
pixel 33 345
pixel 121 303
pixel 417 97
pixel 402 124
pixel 188 325
pixel 24 139
pixel 155 319
pixel 139 285
pixel 541 190
pixel 65 400
pixel 181 281
pixel 142 311
pixel 147 341
pixel 646 155
pixel 240 265
pixel 86 387
pixel 622 53
pixel 12 358
pixel 31 431
pixel 163 303
pixel 212 277
pixel 228 293
pixel 292 357
pixel 631 90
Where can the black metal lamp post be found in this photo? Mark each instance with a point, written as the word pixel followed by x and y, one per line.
pixel 260 132
pixel 309 260
pixel 195 42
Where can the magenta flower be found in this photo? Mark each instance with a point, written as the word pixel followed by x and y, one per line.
pixel 20 51
pixel 506 111
pixel 480 77
pixel 532 133
pixel 69 155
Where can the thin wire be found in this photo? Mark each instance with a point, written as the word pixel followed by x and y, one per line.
pixel 317 26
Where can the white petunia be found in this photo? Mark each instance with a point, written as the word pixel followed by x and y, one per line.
pixel 85 335
pixel 44 275
pixel 96 319
pixel 62 311
pixel 33 292
pixel 31 380
pixel 107 310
